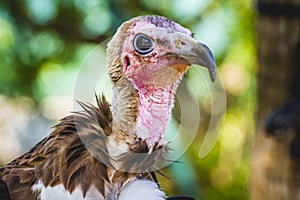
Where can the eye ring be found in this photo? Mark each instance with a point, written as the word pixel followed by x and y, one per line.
pixel 143 44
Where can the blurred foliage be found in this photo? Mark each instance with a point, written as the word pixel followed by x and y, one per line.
pixel 42 44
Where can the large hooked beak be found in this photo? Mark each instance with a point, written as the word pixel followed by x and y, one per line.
pixel 193 52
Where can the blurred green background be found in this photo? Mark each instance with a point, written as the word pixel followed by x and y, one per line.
pixel 43 44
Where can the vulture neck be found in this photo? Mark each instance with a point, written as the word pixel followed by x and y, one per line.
pixel 154 109
pixel 143 112
pixel 124 107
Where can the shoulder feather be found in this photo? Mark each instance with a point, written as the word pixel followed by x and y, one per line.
pixel 62 157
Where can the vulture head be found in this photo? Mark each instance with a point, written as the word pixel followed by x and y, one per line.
pixel 147 57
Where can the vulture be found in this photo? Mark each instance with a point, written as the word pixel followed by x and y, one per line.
pixel 110 151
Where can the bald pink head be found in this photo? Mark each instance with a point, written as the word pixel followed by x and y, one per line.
pixel 155 54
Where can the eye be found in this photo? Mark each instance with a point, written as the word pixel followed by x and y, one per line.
pixel 143 44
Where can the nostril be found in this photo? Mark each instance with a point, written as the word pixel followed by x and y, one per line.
pixel 126 63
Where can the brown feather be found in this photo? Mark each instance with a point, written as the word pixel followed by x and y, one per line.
pixel 62 157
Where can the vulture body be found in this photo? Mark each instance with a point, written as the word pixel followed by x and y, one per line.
pixel 110 151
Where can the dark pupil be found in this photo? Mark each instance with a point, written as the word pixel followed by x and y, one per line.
pixel 143 43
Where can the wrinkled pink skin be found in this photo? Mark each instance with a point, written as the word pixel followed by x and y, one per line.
pixel 155 76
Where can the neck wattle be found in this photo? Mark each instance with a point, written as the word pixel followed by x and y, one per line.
pixel 154 110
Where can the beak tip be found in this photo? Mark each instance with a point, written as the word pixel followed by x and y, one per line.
pixel 213 78
pixel 213 73
pixel 206 59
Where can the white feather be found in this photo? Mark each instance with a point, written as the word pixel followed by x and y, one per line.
pixel 58 192
pixel 141 189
